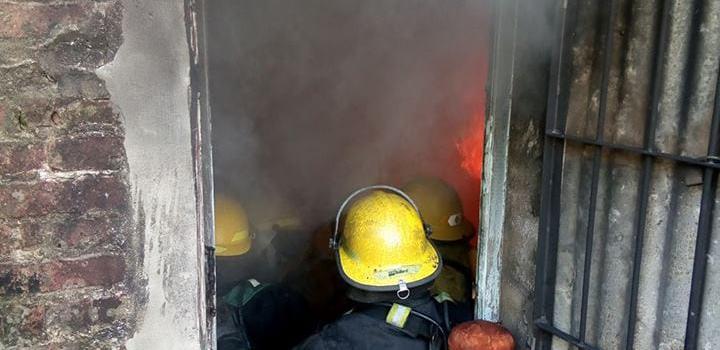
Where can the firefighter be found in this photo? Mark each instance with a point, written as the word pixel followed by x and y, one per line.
pixel 441 208
pixel 383 253
pixel 233 240
pixel 316 277
pixel 251 313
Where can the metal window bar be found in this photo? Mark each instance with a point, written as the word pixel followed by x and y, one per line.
pixel 702 245
pixel 661 42
pixel 597 154
pixel 553 157
pixel 552 161
pixel 569 338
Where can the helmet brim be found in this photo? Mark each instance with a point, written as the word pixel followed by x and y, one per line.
pixel 366 277
pixel 233 250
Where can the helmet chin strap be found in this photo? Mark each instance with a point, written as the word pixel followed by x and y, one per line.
pixel 403 290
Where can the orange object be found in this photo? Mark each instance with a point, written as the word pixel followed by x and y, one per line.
pixel 480 335
pixel 471 146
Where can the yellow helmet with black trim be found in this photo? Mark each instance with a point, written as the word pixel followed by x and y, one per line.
pixel 441 208
pixel 381 242
pixel 232 230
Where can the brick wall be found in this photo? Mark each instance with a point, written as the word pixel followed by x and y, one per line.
pixel 67 246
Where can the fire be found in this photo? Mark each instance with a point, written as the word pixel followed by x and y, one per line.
pixel 470 147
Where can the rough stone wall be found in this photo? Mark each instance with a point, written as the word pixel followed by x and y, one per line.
pixel 524 168
pixel 67 244
pixel 689 71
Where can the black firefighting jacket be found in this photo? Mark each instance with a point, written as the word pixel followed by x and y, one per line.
pixel 367 328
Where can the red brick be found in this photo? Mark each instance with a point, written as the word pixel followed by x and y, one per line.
pixel 78 83
pixel 24 117
pixel 18 157
pixel 20 323
pixel 29 80
pixel 87 153
pixel 98 271
pixel 106 193
pixel 90 47
pixel 65 345
pixel 35 21
pixel 93 112
pixel 83 114
pixel 88 231
pixel 55 235
pixel 25 80
pixel 30 232
pixel 75 315
pixel 14 51
pixel 63 235
pixel 92 323
pixel 103 307
pixel 46 197
pixel 10 237
pixel 34 322
pixel 72 318
pixel 55 114
pixel 47 116
pixel 61 275
pixel 20 200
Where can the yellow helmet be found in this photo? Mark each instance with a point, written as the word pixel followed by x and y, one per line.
pixel 384 245
pixel 441 208
pixel 232 231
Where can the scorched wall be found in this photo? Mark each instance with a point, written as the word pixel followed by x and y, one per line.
pixel 98 245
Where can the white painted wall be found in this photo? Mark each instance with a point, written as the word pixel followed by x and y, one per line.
pixel 149 81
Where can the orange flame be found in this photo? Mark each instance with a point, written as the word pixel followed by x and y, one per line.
pixel 471 146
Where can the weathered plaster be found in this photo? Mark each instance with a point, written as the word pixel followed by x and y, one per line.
pixel 496 163
pixel 511 193
pixel 149 81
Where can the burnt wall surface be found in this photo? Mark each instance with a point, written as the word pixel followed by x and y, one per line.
pixel 530 75
pixel 685 75
pixel 680 113
pixel 149 81
pixel 68 256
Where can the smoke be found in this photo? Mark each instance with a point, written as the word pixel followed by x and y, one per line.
pixel 314 98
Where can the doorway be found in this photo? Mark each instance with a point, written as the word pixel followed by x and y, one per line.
pixel 312 100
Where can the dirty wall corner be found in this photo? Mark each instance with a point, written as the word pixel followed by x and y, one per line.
pixel 98 244
pixel 149 82
pixel 518 144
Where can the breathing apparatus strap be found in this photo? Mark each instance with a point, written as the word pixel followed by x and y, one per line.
pixel 398 316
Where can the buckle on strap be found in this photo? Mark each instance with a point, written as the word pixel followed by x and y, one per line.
pixel 403 290
pixel 398 315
